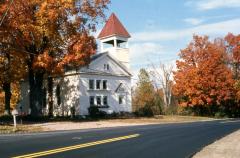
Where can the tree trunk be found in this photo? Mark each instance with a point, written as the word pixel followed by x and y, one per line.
pixel 165 98
pixel 36 91
pixel 50 96
pixel 39 76
pixel 7 86
pixel 31 90
pixel 8 94
pixel 235 70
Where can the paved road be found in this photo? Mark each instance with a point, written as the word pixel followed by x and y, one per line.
pixel 149 141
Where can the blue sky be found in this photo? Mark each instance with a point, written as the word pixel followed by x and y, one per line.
pixel 160 28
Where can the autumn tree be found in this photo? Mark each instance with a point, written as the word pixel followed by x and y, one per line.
pixel 203 79
pixel 15 97
pixel 143 99
pixel 12 65
pixel 232 43
pixel 12 69
pixel 52 34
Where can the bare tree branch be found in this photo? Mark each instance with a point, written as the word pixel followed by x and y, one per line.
pixel 161 75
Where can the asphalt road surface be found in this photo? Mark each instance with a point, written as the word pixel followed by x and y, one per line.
pixel 148 141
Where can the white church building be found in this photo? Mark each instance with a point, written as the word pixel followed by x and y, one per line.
pixel 105 82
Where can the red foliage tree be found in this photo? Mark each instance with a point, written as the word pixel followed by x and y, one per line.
pixel 203 77
pixel 232 43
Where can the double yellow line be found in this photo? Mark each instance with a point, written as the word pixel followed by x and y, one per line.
pixel 54 151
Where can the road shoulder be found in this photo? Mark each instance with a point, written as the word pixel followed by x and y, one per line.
pixel 102 123
pixel 68 125
pixel 226 147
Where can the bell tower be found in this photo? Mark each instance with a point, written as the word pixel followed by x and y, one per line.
pixel 114 40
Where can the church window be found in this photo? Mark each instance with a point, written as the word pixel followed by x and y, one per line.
pixel 99 100
pixel 105 100
pixel 121 44
pixel 98 84
pixel 91 100
pixel 106 66
pixel 120 99
pixel 104 84
pixel 108 44
pixel 91 84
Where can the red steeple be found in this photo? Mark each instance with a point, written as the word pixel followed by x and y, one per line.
pixel 113 27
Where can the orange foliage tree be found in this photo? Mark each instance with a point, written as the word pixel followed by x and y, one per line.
pixel 51 34
pixel 232 43
pixel 203 78
pixel 15 96
pixel 12 67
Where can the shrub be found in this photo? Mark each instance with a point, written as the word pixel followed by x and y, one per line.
pixel 124 114
pixel 73 110
pixel 171 110
pixel 94 112
pixel 145 111
pixel 219 115
pixel 185 111
pixel 5 119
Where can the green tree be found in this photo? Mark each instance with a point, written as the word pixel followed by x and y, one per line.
pixel 143 98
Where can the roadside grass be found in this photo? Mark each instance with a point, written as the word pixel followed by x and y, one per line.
pixel 163 119
pixel 9 129
pixel 6 127
pixel 119 122
pixel 27 120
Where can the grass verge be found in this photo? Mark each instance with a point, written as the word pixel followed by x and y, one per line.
pixel 164 119
pixel 9 129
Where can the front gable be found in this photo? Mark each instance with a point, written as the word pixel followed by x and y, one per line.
pixel 105 64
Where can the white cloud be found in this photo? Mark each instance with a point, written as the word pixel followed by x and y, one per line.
pixel 213 29
pixel 142 52
pixel 145 48
pixel 213 4
pixel 150 46
pixel 193 21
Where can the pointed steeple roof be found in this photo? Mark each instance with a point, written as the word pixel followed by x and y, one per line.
pixel 113 27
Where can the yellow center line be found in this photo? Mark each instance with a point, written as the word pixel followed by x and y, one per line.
pixel 58 150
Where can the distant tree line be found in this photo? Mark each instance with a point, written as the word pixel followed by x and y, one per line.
pixel 206 81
